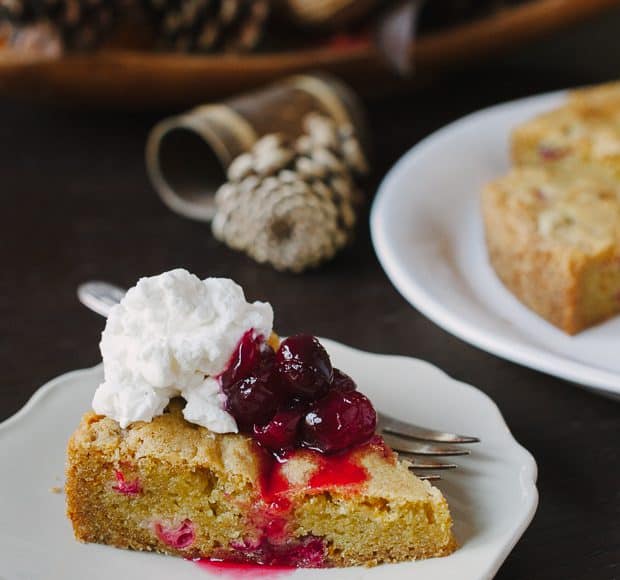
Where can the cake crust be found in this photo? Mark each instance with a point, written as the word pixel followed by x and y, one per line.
pixel 174 487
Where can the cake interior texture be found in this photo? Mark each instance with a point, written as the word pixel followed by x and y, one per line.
pixel 554 240
pixel 177 488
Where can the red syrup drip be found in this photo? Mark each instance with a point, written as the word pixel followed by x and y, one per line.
pixel 279 553
pixel 270 545
pixel 242 570
pixel 343 469
pixel 305 552
pixel 337 470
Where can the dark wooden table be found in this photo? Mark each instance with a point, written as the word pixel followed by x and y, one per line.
pixel 76 204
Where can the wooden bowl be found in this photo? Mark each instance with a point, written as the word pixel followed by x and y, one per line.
pixel 140 79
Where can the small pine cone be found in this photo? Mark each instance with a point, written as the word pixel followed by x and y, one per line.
pixel 292 203
pixel 209 25
pixel 82 24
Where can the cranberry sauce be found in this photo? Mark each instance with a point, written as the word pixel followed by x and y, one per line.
pixel 339 421
pixel 340 470
pixel 306 552
pixel 272 516
pixel 233 570
pixel 273 546
pixel 303 368
pixel 294 398
pixel 292 402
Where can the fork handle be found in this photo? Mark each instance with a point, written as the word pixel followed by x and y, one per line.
pixel 100 296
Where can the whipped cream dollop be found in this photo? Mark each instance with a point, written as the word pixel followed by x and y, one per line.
pixel 172 335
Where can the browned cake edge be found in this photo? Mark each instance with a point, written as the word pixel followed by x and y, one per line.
pixel 544 280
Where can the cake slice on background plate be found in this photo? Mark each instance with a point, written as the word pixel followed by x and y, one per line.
pixel 211 438
pixel 554 240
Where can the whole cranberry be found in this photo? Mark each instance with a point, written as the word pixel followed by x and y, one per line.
pixel 266 362
pixel 339 421
pixel 250 401
pixel 243 360
pixel 303 367
pixel 296 404
pixel 342 382
pixel 281 432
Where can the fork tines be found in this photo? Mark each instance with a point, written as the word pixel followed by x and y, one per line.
pixel 391 425
pixel 425 463
pixel 412 441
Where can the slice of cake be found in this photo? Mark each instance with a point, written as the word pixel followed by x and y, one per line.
pixel 554 240
pixel 581 137
pixel 213 439
pixel 172 487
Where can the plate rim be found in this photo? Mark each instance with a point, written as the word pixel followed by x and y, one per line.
pixel 529 473
pixel 528 467
pixel 605 382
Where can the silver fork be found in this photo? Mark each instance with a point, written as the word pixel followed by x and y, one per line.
pixel 416 444
pixel 420 446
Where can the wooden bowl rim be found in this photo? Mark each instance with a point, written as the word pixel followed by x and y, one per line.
pixel 509 24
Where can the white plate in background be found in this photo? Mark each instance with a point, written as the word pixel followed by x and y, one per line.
pixel 492 494
pixel 427 231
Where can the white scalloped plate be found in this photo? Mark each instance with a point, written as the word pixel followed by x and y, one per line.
pixel 427 232
pixel 492 494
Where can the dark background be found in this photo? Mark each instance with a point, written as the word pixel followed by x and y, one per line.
pixel 76 205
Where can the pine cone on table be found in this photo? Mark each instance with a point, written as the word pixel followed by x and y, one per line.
pixel 82 24
pixel 209 25
pixel 293 203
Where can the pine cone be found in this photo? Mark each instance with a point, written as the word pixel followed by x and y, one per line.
pixel 82 24
pixel 209 25
pixel 293 204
